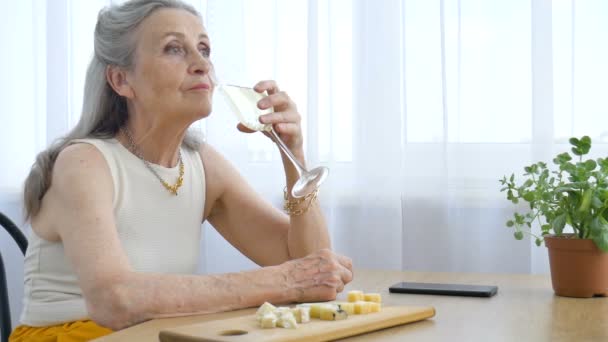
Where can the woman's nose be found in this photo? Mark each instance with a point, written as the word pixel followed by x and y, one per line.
pixel 201 65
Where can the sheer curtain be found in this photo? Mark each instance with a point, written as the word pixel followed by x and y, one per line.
pixel 418 107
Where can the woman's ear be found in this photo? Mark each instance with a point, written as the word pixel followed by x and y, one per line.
pixel 117 79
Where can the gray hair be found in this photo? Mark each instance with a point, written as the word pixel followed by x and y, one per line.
pixel 104 112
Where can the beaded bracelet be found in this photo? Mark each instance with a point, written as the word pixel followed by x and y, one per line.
pixel 291 205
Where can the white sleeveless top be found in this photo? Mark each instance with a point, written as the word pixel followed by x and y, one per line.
pixel 159 232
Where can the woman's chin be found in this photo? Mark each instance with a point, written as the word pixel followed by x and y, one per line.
pixel 198 114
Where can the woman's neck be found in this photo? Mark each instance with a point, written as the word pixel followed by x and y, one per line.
pixel 158 143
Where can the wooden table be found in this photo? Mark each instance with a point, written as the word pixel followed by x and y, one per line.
pixel 525 309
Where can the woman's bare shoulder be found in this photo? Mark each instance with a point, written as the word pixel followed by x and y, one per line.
pixel 220 174
pixel 80 181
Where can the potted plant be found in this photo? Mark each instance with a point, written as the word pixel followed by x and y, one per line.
pixel 572 197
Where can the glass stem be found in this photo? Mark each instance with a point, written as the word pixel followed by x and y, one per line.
pixel 301 170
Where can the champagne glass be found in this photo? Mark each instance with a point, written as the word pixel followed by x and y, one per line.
pixel 243 101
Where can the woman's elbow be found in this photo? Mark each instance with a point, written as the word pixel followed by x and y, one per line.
pixel 110 307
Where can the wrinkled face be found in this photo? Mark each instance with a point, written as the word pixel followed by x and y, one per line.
pixel 170 74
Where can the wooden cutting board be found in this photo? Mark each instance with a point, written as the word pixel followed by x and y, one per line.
pixel 245 328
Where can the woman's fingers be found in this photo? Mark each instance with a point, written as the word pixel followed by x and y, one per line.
pixel 320 275
pixel 345 274
pixel 279 117
pixel 345 261
pixel 268 85
pixel 287 128
pixel 279 101
pixel 244 128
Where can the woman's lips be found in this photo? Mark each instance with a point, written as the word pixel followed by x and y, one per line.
pixel 201 86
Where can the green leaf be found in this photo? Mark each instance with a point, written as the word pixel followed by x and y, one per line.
pixel 596 202
pixel 538 242
pixel 512 177
pixel 519 235
pixel 601 240
pixel 566 188
pixel 590 165
pixel 534 168
pixel 510 223
pixel 558 224
pixel 529 196
pixel 574 141
pixel 586 140
pixel 586 201
pixel 597 225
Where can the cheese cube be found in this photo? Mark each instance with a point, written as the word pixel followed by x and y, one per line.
pixel 268 320
pixel 354 296
pixel 264 309
pixel 372 297
pixel 374 307
pixel 281 310
pixel 287 320
pixel 332 313
pixel 347 306
pixel 362 307
pixel 315 308
pixel 302 314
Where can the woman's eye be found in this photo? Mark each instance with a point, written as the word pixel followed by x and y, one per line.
pixel 174 49
pixel 205 51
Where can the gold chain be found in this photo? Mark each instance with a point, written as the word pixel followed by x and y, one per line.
pixel 291 205
pixel 180 180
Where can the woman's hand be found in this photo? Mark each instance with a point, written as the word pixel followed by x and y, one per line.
pixel 319 276
pixel 285 118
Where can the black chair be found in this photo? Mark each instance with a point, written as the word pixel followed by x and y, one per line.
pixel 5 309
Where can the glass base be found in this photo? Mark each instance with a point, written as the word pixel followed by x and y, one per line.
pixel 309 182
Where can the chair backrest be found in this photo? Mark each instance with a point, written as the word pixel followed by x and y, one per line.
pixel 5 309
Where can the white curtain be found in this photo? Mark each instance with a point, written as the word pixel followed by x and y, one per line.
pixel 418 107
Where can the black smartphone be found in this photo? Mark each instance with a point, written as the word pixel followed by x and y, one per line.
pixel 444 289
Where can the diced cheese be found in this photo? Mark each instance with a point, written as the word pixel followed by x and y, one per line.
pixel 362 307
pixel 301 313
pixel 281 310
pixel 332 313
pixel 374 307
pixel 264 309
pixel 268 320
pixel 347 306
pixel 372 297
pixel 355 296
pixel 287 320
pixel 315 308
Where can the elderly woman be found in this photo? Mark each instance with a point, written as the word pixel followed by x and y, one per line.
pixel 116 206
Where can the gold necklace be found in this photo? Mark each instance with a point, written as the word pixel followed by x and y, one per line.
pixel 180 180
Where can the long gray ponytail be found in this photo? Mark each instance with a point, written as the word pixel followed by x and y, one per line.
pixel 103 112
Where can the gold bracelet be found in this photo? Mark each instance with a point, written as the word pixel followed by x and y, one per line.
pixel 291 204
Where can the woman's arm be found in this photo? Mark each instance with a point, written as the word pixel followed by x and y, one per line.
pixel 79 207
pixel 243 217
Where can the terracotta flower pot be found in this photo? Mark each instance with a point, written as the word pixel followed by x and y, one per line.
pixel 578 267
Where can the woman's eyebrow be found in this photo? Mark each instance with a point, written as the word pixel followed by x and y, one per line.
pixel 182 36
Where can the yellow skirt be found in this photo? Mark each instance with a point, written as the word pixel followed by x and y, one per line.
pixel 67 332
